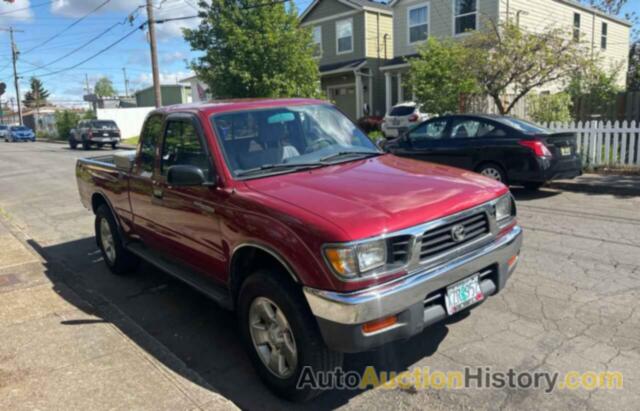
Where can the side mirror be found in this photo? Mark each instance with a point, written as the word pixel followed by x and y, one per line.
pixel 185 176
pixel 124 161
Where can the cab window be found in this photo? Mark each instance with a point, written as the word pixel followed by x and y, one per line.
pixel 431 130
pixel 183 146
pixel 471 128
pixel 148 142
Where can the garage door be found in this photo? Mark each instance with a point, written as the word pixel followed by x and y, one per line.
pixel 345 98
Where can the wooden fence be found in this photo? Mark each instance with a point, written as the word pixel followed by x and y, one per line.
pixel 624 106
pixel 605 143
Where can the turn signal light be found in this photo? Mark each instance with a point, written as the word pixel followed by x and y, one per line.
pixel 539 149
pixel 413 118
pixel 380 324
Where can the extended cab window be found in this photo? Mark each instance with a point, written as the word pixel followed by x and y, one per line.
pixel 149 141
pixel 182 146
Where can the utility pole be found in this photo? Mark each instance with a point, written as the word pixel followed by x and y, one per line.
pixel 86 83
pixel 154 54
pixel 126 82
pixel 14 58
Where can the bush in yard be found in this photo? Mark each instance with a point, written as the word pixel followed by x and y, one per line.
pixel 597 87
pixel 438 76
pixel 65 121
pixel 545 108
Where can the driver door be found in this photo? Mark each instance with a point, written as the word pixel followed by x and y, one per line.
pixel 426 141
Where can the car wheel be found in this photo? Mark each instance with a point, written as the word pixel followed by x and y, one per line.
pixel 100 145
pixel 281 335
pixel 118 258
pixel 73 144
pixel 114 146
pixel 86 145
pixel 493 171
pixel 533 186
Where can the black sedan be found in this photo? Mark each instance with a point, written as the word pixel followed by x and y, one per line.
pixel 504 148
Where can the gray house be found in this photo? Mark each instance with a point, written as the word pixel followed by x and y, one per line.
pixel 354 39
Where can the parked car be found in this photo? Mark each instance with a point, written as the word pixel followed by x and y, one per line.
pixel 4 131
pixel 401 117
pixel 95 132
pixel 504 148
pixel 19 133
pixel 284 211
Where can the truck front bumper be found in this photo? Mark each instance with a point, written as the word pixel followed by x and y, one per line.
pixel 416 300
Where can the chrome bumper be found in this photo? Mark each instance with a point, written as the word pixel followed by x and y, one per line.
pixel 397 296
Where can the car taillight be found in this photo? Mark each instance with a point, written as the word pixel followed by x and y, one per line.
pixel 538 147
pixel 90 133
pixel 413 118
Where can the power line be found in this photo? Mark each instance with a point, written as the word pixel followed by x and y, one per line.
pixel 101 5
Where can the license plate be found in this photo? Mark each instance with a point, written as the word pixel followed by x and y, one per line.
pixel 395 122
pixel 105 134
pixel 463 294
pixel 392 132
pixel 565 151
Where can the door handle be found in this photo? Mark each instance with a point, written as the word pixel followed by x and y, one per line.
pixel 158 192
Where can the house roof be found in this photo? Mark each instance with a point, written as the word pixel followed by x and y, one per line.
pixel 398 60
pixel 340 67
pixel 354 4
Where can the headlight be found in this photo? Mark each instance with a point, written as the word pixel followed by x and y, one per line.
pixel 504 209
pixel 351 261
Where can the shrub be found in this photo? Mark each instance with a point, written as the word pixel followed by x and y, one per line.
pixel 545 108
pixel 369 124
pixel 65 121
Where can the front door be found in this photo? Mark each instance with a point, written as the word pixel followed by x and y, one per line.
pixel 190 219
pixel 426 142
pixel 344 97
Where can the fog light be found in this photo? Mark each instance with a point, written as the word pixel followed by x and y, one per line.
pixel 380 324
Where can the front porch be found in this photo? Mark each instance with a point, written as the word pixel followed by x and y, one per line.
pixel 396 72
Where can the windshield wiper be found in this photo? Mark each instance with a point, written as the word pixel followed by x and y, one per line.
pixel 281 166
pixel 349 154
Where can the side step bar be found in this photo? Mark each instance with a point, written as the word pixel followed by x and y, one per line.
pixel 217 293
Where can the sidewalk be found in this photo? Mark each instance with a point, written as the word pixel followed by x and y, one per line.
pixel 618 185
pixel 57 351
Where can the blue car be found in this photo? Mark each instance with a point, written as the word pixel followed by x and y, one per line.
pixel 20 133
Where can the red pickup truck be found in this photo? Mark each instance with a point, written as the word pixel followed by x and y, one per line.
pixel 284 211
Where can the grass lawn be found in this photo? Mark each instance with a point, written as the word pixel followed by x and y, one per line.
pixel 131 141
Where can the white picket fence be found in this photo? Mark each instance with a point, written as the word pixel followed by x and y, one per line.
pixel 605 143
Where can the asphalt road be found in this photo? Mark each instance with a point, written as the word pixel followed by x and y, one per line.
pixel 572 304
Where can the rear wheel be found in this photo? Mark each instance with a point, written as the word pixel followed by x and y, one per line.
pixel 86 144
pixel 533 186
pixel 114 146
pixel 493 171
pixel 281 335
pixel 73 144
pixel 118 258
pixel 100 145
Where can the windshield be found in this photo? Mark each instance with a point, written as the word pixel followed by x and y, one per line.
pixel 19 128
pixel 525 126
pixel 103 124
pixel 286 139
pixel 399 111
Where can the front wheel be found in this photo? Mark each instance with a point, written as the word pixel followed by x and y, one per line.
pixel 493 171
pixel 281 335
pixel 73 144
pixel 118 258
pixel 86 145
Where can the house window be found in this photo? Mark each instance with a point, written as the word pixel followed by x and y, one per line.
pixel 418 23
pixel 465 16
pixel 317 41
pixel 344 36
pixel 603 36
pixel 576 27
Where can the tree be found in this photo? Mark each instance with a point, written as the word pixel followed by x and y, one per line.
pixel 546 108
pixel 633 76
pixel 104 88
pixel 595 87
pixel 65 121
pixel 37 95
pixel 438 76
pixel 253 50
pixel 506 60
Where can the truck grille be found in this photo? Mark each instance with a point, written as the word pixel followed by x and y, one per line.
pixel 440 240
pixel 398 249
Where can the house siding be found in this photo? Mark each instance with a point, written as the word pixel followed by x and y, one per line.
pixel 327 8
pixel 376 26
pixel 440 21
pixel 544 14
pixel 329 46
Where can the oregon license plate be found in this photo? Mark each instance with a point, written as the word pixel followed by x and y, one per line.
pixel 463 294
pixel 565 151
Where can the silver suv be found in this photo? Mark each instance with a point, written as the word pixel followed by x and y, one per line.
pixel 401 117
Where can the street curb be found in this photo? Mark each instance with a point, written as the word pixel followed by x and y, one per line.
pixel 144 343
pixel 593 189
pixel 53 141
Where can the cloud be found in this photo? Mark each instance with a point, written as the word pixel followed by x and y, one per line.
pixel 163 9
pixel 169 58
pixel 20 10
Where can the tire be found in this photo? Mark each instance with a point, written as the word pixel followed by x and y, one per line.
pixel 114 146
pixel 533 186
pixel 100 145
pixel 269 286
pixel 493 171
pixel 86 145
pixel 73 144
pixel 119 260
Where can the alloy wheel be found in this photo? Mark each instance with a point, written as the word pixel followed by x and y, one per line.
pixel 108 243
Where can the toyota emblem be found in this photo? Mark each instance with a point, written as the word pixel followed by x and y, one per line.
pixel 457 233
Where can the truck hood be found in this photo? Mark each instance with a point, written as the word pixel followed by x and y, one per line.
pixel 369 197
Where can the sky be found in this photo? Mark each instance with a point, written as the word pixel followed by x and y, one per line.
pixel 40 20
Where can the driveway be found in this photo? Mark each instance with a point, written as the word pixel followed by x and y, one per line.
pixel 572 304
